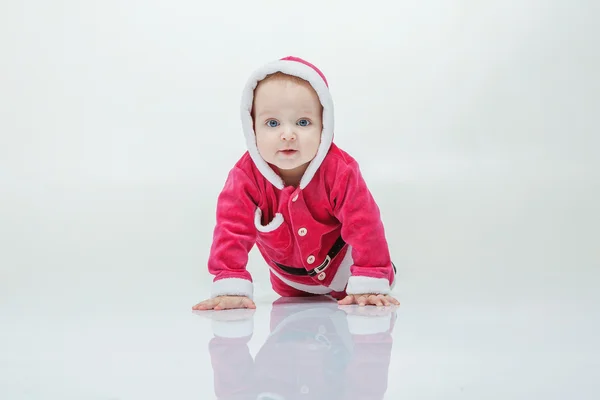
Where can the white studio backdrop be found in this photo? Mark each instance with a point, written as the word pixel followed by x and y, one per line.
pixel 475 123
pixel 147 92
pixel 120 120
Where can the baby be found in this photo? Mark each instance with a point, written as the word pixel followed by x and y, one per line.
pixel 300 198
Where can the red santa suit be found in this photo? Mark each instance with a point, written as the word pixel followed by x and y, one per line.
pixel 324 236
pixel 314 351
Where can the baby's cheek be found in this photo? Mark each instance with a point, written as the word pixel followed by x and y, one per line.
pixel 260 141
pixel 316 142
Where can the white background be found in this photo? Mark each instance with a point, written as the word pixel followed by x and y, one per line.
pixel 475 123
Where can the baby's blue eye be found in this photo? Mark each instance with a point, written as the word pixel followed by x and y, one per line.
pixel 303 122
pixel 272 123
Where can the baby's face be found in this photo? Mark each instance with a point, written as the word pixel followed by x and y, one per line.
pixel 287 123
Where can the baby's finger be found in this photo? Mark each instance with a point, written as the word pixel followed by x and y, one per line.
pixel 375 300
pixel 234 302
pixel 384 300
pixel 346 301
pixel 222 304
pixel 247 303
pixel 393 300
pixel 369 300
pixel 362 300
pixel 205 305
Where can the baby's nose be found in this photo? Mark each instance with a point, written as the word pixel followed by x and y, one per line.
pixel 288 134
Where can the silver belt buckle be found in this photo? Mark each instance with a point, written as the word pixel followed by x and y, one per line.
pixel 323 265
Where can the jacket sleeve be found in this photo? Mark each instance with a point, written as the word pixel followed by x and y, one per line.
pixel 362 228
pixel 233 236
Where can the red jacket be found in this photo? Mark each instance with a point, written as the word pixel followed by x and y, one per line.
pixel 297 228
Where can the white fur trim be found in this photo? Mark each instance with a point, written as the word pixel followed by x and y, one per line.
pixel 369 325
pixel 233 329
pixel 340 280
pixel 314 289
pixel 364 284
pixel 303 71
pixel 232 287
pixel 271 226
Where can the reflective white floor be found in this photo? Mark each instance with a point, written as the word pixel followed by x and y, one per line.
pixel 498 285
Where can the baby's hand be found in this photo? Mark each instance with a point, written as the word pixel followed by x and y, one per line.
pixel 369 299
pixel 225 303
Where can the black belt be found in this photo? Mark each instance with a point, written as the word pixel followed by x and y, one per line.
pixel 335 249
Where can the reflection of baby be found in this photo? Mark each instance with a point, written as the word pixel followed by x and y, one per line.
pixel 314 351
pixel 301 199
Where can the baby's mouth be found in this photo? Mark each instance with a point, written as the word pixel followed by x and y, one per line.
pixel 288 151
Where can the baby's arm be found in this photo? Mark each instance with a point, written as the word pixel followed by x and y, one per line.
pixel 233 238
pixel 362 228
